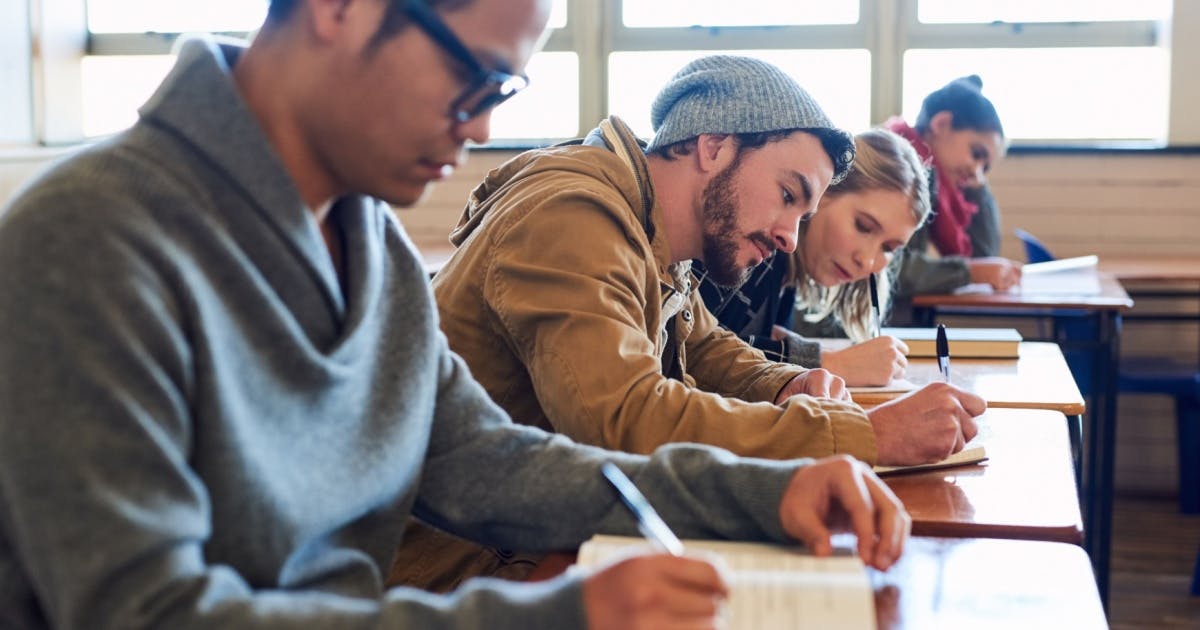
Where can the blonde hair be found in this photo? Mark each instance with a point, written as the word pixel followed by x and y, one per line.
pixel 886 161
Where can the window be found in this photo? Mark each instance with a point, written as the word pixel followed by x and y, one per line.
pixel 1031 11
pixel 1058 70
pixel 123 70
pixel 840 80
pixel 174 16
pixel 1111 93
pixel 718 13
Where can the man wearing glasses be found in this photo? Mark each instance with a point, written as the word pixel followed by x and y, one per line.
pixel 224 388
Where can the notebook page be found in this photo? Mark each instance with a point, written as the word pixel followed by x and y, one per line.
pixel 773 586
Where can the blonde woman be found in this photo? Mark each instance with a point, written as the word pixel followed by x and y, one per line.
pixel 857 231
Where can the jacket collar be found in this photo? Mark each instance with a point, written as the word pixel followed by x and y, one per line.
pixel 199 103
pixel 619 138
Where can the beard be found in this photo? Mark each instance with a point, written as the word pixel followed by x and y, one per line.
pixel 720 230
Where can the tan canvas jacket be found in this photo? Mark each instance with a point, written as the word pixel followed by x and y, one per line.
pixel 558 296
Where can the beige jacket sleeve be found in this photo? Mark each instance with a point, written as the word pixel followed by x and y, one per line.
pixel 569 280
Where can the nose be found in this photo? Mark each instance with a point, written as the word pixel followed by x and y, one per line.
pixel 979 176
pixel 786 235
pixel 869 259
pixel 477 129
pixel 787 230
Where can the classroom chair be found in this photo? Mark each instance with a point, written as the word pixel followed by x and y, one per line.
pixel 1157 376
pixel 1196 575
pixel 1146 375
pixel 1035 251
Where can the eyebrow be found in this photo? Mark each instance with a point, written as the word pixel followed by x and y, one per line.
pixel 804 184
pixel 867 215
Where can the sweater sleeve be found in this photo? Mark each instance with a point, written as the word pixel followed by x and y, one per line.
pixel 575 310
pixel 922 273
pixel 489 479
pixel 105 521
pixel 984 230
pixel 801 351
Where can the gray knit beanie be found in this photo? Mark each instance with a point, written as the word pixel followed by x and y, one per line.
pixel 729 94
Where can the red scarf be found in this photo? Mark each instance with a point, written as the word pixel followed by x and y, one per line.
pixel 953 212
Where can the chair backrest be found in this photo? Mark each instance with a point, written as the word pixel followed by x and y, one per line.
pixel 1035 251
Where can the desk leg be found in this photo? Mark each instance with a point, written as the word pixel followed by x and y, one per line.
pixel 1101 448
pixel 1075 435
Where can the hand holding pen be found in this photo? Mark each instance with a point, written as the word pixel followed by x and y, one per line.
pixel 652 591
pixel 943 352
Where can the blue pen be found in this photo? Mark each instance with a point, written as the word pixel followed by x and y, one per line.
pixel 943 352
pixel 649 522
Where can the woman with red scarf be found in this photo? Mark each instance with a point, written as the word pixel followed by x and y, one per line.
pixel 958 132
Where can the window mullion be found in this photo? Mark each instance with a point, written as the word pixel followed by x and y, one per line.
pixel 885 22
pixel 59 34
pixel 824 37
pixel 1089 35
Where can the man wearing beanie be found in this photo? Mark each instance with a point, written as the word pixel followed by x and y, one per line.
pixel 571 296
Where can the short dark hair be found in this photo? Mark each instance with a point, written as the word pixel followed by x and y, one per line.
pixel 838 144
pixel 394 19
pixel 964 99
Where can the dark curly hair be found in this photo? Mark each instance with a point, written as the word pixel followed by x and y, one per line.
pixel 838 144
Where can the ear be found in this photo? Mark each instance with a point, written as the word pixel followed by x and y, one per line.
pixel 715 152
pixel 942 122
pixel 325 18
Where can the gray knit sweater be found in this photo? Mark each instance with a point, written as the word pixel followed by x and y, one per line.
pixel 200 429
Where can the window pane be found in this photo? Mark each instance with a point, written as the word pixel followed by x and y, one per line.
pixel 661 13
pixel 171 16
pixel 977 11
pixel 838 79
pixel 115 86
pixel 549 107
pixel 1055 93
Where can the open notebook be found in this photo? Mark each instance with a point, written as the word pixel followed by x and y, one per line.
pixel 773 586
pixel 971 454
pixel 1063 277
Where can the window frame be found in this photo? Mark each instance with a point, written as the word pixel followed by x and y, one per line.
pixel 58 40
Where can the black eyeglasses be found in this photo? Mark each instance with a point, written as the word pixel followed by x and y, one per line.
pixel 487 88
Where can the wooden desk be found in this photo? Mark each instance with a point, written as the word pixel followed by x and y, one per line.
pixel 979 583
pixel 983 584
pixel 1026 489
pixel 1038 379
pixel 1100 315
pixel 1112 297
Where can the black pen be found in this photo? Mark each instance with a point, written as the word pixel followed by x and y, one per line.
pixel 875 304
pixel 943 352
pixel 649 522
